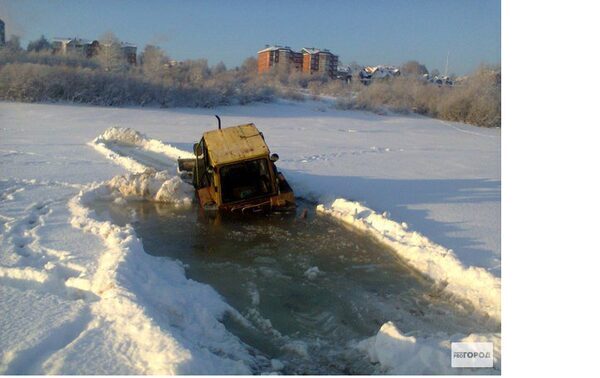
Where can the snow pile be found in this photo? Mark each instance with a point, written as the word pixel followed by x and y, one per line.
pixel 152 186
pixel 124 161
pixel 144 183
pixel 165 323
pixel 130 137
pixel 474 284
pixel 113 139
pixel 398 353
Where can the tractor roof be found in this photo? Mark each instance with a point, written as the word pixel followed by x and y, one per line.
pixel 235 143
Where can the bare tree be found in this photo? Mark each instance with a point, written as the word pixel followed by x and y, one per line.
pixel 13 44
pixel 111 54
pixel 219 68
pixel 38 45
pixel 249 66
pixel 153 60
pixel 413 68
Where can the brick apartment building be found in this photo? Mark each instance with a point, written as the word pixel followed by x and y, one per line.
pixel 319 61
pixel 309 60
pixel 273 56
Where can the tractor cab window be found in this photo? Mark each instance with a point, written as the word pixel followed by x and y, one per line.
pixel 246 180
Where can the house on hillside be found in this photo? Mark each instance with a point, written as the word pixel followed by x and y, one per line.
pixel 80 46
pixel 90 49
pixel 377 72
pixel 130 52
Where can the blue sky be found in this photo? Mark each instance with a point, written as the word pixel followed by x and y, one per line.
pixel 368 31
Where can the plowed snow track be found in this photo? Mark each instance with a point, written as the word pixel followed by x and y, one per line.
pixel 150 159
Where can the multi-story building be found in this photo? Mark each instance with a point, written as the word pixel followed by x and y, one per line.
pixel 130 52
pixel 91 48
pixel 278 56
pixel 319 61
pixel 312 61
pixel 75 45
pixel 2 35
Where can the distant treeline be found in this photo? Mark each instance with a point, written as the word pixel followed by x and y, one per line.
pixel 36 75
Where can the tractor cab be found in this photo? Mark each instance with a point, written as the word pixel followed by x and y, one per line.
pixel 234 171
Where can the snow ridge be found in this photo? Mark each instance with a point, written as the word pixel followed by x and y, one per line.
pixel 144 182
pixel 167 323
pixel 398 353
pixel 474 284
pixel 130 137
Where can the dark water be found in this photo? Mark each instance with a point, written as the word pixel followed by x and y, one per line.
pixel 311 288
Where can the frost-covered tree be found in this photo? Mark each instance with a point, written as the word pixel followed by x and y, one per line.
pixel 152 60
pixel 38 45
pixel 111 55
pixel 249 66
pixel 197 72
pixel 219 68
pixel 413 68
pixel 13 44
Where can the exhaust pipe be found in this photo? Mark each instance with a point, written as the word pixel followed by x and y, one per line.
pixel 219 119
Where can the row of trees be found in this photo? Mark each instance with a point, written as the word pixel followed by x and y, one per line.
pixel 476 100
pixel 35 74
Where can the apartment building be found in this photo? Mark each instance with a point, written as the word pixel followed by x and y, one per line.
pixel 309 60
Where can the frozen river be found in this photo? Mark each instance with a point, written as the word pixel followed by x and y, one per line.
pixel 309 290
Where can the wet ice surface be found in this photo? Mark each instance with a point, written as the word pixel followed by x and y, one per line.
pixel 310 289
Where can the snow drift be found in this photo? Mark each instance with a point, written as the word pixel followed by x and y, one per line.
pixel 152 186
pixel 130 137
pixel 169 324
pixel 398 353
pixel 440 264
pixel 144 183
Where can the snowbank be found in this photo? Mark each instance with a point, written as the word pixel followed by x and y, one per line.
pixel 130 137
pixel 166 323
pixel 126 137
pixel 144 183
pixel 169 324
pixel 398 353
pixel 471 283
pixel 152 186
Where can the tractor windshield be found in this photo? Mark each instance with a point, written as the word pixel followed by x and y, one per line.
pixel 246 180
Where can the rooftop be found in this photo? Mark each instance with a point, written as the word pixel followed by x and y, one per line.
pixel 235 143
pixel 313 50
pixel 274 48
pixel 69 39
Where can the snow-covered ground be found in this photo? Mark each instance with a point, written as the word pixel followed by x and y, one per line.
pixel 79 295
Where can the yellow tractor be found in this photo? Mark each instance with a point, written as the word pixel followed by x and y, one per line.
pixel 234 171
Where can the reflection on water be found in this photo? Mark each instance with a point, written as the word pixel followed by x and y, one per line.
pixel 311 288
